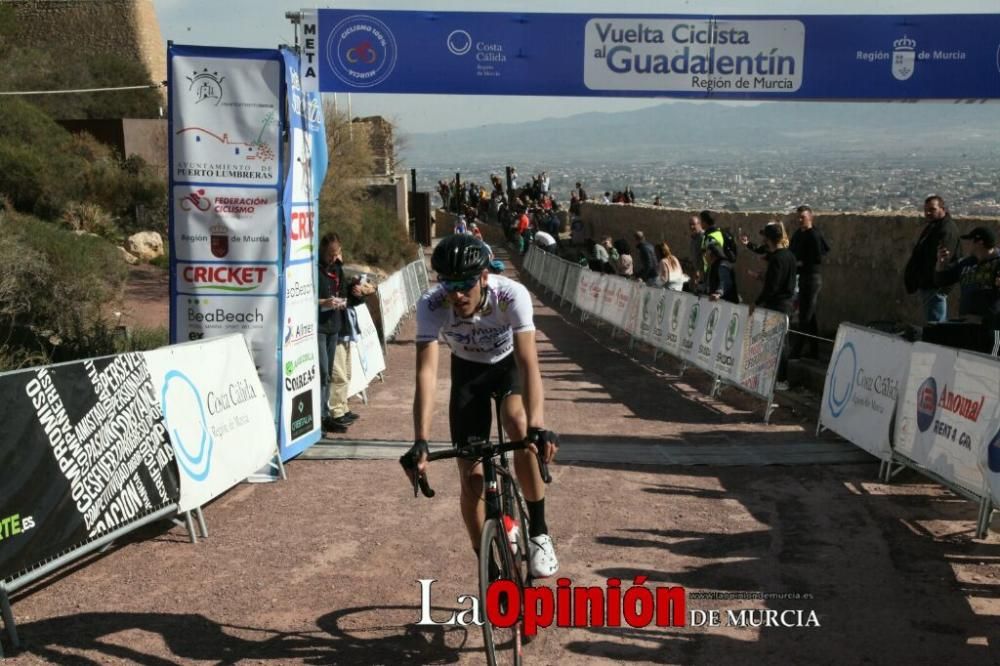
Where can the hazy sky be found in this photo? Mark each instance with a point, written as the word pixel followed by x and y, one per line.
pixel 262 24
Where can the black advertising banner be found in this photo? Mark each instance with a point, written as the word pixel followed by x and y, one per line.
pixel 83 451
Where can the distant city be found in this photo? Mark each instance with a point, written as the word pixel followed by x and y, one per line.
pixel 770 183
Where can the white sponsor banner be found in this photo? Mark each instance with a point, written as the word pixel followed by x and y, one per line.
pixel 707 335
pixel 216 412
pixel 203 317
pixel 633 310
pixel 225 120
pixel 867 372
pixel 231 223
pixel 727 345
pixel 656 316
pixel 689 328
pixel 589 290
pixel 367 360
pixel 990 461
pixel 616 299
pixel 300 398
pixel 227 279
pixel 392 303
pixel 766 332
pixel 947 411
pixel 693 55
pixel 572 282
pixel 675 324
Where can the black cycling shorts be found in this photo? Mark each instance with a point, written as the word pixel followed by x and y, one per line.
pixel 473 387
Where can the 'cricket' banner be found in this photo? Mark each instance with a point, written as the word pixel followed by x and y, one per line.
pixel 812 57
pixel 948 413
pixel 867 372
pixel 216 413
pixel 84 451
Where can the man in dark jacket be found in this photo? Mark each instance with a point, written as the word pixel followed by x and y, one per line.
pixel 939 232
pixel 645 260
pixel 809 247
pixel 336 327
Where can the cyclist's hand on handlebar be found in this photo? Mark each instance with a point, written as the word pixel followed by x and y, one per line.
pixel 414 462
pixel 543 443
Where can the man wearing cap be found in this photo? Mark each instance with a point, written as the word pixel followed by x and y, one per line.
pixel 978 277
pixel 939 232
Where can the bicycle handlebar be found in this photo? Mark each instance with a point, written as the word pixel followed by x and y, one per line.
pixel 473 452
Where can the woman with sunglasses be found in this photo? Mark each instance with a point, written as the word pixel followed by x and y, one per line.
pixel 487 321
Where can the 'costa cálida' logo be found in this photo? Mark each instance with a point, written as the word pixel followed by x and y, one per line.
pixel 361 51
pixel 206 86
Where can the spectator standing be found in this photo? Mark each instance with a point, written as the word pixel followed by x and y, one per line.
pixel 809 247
pixel 696 248
pixel 358 288
pixel 460 226
pixel 940 231
pixel 645 268
pixel 656 200
pixel 779 285
pixel 329 322
pixel 668 269
pixel 721 277
pixel 978 277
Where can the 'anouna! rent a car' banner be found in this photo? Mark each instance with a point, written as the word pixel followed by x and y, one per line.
pixel 806 57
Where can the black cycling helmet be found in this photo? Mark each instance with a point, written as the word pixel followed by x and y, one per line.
pixel 460 257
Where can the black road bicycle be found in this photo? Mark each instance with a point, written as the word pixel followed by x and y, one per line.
pixel 503 547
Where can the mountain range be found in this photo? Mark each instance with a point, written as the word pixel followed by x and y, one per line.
pixel 684 132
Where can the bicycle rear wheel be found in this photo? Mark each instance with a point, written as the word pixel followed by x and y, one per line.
pixel 503 644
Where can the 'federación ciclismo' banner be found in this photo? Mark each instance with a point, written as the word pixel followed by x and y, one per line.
pixel 859 57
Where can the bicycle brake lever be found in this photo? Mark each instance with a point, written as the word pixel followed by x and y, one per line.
pixel 425 487
pixel 543 469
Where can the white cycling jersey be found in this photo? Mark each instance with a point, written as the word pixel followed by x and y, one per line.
pixel 488 335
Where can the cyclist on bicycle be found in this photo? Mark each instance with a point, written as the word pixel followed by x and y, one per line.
pixel 486 320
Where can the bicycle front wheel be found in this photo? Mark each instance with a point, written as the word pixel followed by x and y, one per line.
pixel 503 644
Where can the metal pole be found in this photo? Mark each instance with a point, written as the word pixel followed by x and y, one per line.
pixel 510 186
pixel 413 180
pixel 201 522
pixel 8 620
pixel 190 527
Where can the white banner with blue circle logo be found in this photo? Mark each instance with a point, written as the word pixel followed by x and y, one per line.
pixel 217 415
pixel 866 374
pixel 948 413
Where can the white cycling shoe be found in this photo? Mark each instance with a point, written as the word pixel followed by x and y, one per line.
pixel 542 556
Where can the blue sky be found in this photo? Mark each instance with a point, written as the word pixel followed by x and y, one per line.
pixel 262 23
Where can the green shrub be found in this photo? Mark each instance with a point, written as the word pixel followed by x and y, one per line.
pixel 44 170
pixel 54 287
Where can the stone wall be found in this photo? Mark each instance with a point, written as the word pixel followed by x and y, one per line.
pixel 863 275
pixel 126 27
